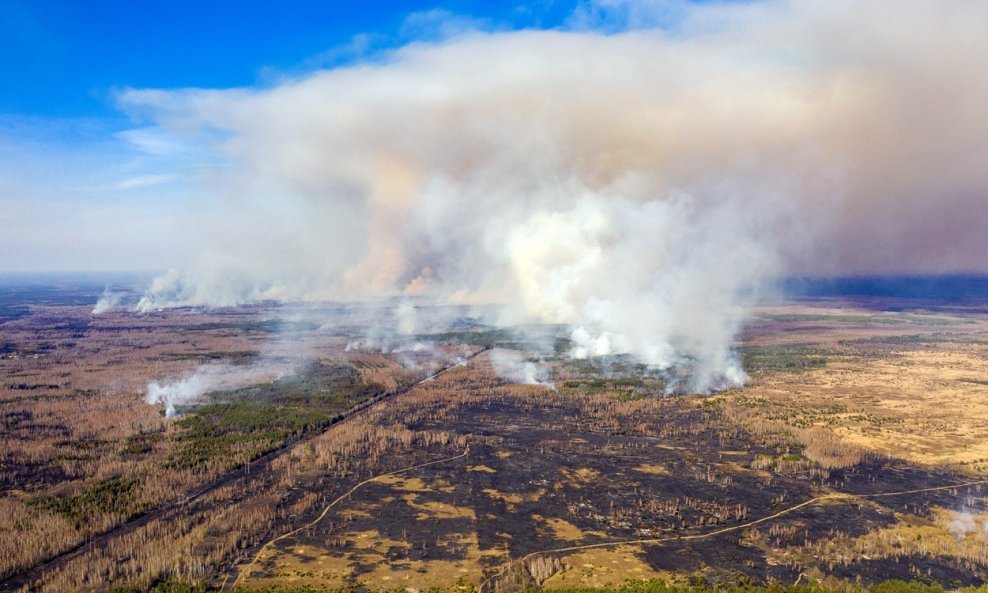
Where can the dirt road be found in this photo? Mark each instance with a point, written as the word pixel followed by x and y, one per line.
pixel 486 586
pixel 254 468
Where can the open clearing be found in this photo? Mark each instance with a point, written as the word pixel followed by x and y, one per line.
pixel 588 465
pixel 470 478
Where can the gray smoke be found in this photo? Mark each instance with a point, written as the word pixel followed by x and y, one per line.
pixel 192 387
pixel 514 367
pixel 108 301
pixel 961 523
pixel 639 185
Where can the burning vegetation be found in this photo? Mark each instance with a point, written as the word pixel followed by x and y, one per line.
pixel 439 462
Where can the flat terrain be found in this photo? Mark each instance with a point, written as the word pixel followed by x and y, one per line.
pixel 910 384
pixel 857 451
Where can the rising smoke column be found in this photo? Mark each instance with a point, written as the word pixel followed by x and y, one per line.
pixel 108 301
pixel 640 186
pixel 512 366
pixel 191 388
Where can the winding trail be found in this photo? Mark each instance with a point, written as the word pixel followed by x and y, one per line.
pixel 329 507
pixel 28 576
pixel 485 587
pixel 239 573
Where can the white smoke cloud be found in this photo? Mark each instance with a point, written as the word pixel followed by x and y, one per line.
pixel 961 524
pixel 658 279
pixel 639 185
pixel 512 366
pixel 191 388
pixel 108 301
pixel 406 318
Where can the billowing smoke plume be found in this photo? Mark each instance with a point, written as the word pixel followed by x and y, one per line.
pixel 108 301
pixel 191 388
pixel 512 366
pixel 639 185
pixel 961 523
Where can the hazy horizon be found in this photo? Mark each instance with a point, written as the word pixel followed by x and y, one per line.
pixel 859 158
pixel 641 171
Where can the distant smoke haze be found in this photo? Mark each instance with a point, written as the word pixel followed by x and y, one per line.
pixel 640 185
pixel 108 301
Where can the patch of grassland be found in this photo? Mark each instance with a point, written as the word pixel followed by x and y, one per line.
pixel 255 420
pixel 860 319
pixel 494 337
pixel 233 357
pixel 693 585
pixel 767 359
pixel 251 428
pixel 111 495
pixel 162 587
pixel 620 375
pixel 923 339
pixel 263 326
pixel 141 444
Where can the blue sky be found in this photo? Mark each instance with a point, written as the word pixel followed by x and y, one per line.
pixel 84 185
pixel 108 163
pixel 64 59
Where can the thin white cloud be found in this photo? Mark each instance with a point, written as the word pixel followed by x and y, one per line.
pixel 154 141
pixel 143 181
pixel 73 197
pixel 135 182
pixel 639 177
pixel 439 25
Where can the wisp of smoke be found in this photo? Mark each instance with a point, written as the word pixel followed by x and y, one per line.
pixel 512 366
pixel 191 388
pixel 638 185
pixel 108 301
pixel 961 524
pixel 405 314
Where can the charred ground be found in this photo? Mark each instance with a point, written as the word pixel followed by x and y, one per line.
pixel 601 479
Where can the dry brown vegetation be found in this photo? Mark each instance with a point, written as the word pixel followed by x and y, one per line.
pixel 901 384
pixel 841 401
pixel 82 452
pixel 233 520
